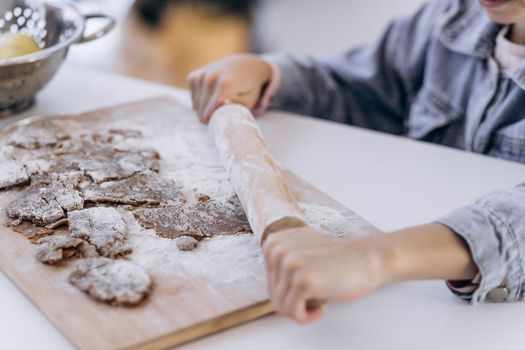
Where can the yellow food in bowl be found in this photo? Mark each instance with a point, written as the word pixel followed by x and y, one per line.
pixel 15 45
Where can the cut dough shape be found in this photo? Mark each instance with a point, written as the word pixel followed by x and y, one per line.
pixel 42 134
pixel 102 227
pixel 118 282
pixel 57 248
pixel 186 243
pixel 11 172
pixel 58 223
pixel 205 219
pixel 45 201
pixel 140 189
pixel 65 190
pixel 102 162
pixel 30 231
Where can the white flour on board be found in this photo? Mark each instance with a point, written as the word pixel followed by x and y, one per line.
pixel 217 261
pixel 189 158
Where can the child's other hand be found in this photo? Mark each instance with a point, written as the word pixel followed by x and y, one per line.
pixel 304 265
pixel 237 79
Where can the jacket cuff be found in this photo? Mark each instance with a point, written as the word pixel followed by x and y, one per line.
pixel 291 94
pixel 464 289
pixel 494 249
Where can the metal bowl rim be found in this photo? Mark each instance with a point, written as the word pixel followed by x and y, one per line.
pixel 47 52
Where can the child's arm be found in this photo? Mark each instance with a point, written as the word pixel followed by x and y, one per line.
pixel 371 86
pixel 304 265
pixel 487 237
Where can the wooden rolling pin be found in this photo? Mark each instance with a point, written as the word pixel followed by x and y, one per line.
pixel 269 203
pixel 264 194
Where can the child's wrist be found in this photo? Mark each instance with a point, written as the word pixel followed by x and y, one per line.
pixel 384 261
pixel 391 264
pixel 429 251
pixel 392 257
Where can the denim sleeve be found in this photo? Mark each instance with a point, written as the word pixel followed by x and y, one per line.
pixel 370 86
pixel 494 229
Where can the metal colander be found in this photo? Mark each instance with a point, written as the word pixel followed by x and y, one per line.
pixel 26 17
pixel 55 25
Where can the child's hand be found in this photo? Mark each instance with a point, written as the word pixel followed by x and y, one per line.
pixel 303 265
pixel 237 79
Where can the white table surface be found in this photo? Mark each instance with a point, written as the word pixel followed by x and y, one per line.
pixel 390 181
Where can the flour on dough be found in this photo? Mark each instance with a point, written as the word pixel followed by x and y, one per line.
pixel 186 243
pixel 57 248
pixel 102 227
pixel 102 162
pixel 118 282
pixel 147 189
pixel 207 218
pixel 37 135
pixel 11 172
pixel 48 199
pixel 115 135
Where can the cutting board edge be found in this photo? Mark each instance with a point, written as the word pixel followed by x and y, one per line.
pixel 176 337
pixel 206 328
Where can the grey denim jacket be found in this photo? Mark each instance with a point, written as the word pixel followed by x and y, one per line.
pixel 432 77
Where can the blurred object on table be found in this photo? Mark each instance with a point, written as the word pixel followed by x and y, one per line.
pixel 164 40
pixel 161 40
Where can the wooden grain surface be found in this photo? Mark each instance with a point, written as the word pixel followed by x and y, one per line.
pixel 179 310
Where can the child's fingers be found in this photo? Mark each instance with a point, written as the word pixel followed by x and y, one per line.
pixel 280 251
pixel 207 90
pixel 199 86
pixel 276 259
pixel 315 314
pixel 288 267
pixel 192 80
pixel 220 95
pixel 212 105
pixel 269 246
pixel 294 303
pixel 274 256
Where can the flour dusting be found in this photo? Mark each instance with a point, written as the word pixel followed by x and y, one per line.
pixel 188 158
pixel 332 222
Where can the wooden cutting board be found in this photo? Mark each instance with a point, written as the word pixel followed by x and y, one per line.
pixel 219 285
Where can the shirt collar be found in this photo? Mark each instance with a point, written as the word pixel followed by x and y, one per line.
pixel 467 29
pixel 514 66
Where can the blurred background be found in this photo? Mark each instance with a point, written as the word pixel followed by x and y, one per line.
pixel 163 40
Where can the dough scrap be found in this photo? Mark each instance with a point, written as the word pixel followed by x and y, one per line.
pixel 58 223
pixel 46 200
pixel 205 219
pixel 11 172
pixel 30 231
pixel 57 248
pixel 37 135
pixel 103 162
pixel 102 227
pixel 118 282
pixel 147 189
pixel 186 243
